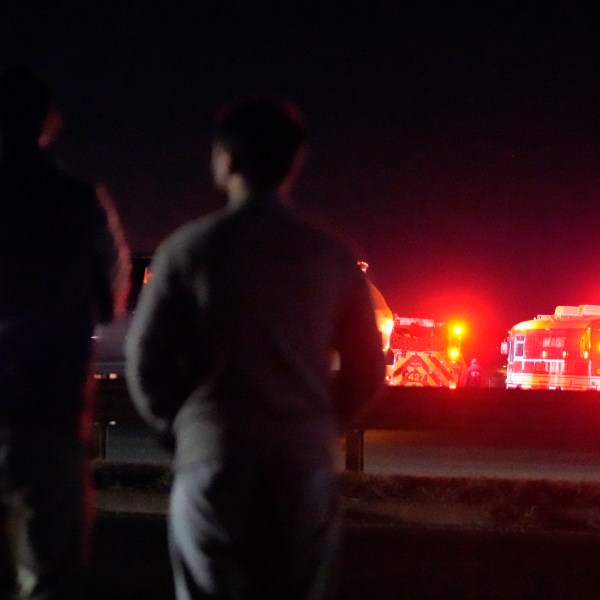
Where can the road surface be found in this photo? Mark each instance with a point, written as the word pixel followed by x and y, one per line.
pixel 478 455
pixel 420 453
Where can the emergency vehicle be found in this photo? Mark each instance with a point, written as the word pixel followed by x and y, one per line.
pixel 426 353
pixel 555 352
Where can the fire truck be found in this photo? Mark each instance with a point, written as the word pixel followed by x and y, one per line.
pixel 555 352
pixel 426 353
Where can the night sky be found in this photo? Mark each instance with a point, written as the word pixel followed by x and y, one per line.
pixel 458 145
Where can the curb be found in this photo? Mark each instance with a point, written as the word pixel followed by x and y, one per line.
pixel 397 500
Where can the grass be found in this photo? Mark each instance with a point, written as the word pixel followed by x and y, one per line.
pixel 469 490
pixel 518 504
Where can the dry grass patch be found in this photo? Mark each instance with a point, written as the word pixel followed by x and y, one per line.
pixel 533 504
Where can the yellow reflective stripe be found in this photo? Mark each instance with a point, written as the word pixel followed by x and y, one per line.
pixel 439 375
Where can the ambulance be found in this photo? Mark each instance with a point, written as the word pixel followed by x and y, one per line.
pixel 560 351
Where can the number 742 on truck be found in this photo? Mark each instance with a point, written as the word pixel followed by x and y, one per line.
pixel 426 353
pixel 421 352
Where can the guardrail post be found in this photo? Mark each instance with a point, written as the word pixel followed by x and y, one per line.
pixel 101 434
pixel 355 450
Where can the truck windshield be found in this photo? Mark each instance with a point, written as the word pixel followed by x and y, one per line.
pixel 419 338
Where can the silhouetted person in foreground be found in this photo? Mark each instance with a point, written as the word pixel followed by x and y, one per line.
pixel 231 350
pixel 63 269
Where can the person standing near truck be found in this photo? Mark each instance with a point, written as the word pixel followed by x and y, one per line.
pixel 63 268
pixel 230 351
pixel 473 376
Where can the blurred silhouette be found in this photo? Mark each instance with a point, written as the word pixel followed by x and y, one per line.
pixel 231 350
pixel 473 376
pixel 63 268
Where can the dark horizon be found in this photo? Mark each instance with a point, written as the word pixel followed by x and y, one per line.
pixel 457 145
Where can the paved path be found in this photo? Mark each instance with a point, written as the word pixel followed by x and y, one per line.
pixel 490 454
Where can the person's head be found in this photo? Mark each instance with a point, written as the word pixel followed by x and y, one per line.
pixel 28 117
pixel 259 142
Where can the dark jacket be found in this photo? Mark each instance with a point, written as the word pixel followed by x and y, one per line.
pixel 232 340
pixel 63 269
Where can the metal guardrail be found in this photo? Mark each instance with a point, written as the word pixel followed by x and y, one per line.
pixel 532 416
pixel 543 417
pixel 112 404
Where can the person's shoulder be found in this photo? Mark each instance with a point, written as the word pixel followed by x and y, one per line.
pixel 195 231
pixel 188 239
pixel 72 184
pixel 73 193
pixel 42 172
